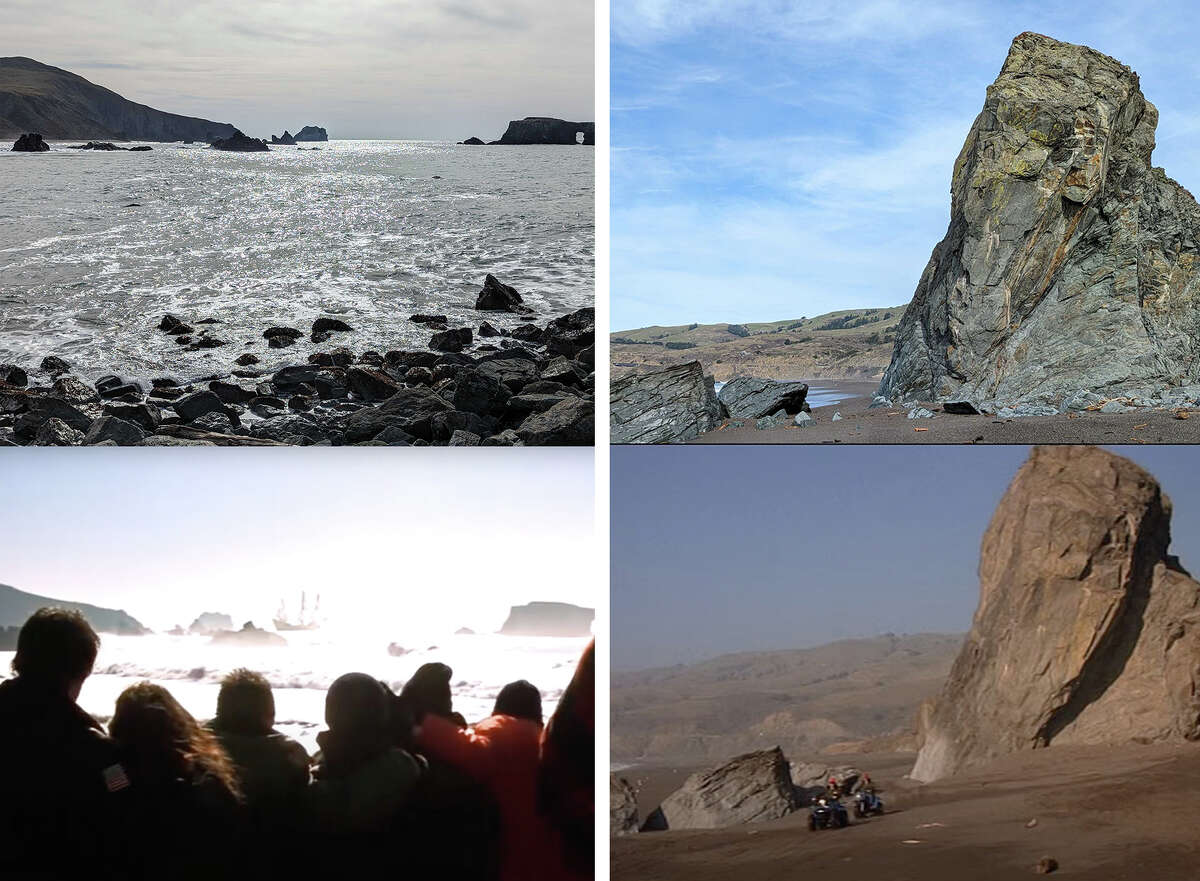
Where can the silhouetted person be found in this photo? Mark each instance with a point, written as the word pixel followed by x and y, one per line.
pixel 189 801
pixel 272 769
pixel 428 691
pixel 501 752
pixel 363 786
pixel 64 794
pixel 567 773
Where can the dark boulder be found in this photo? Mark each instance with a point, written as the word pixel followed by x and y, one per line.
pixel 30 143
pixel 240 143
pixel 231 392
pixel 326 325
pixel 74 391
pixel 443 426
pixel 429 319
pixel 478 392
pixel 246 360
pixel 146 416
pixel 286 139
pixel 110 428
pixel 474 142
pixel 451 340
pixel 752 398
pixel 193 406
pixel 312 133
pixel 11 374
pixel 54 365
pixel 513 373
pixel 56 433
pixel 572 422
pixel 371 385
pixel 410 409
pixel 571 334
pixel 172 325
pixel 498 297
pixel 548 130
pixel 486 329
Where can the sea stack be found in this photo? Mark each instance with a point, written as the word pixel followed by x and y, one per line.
pixel 1070 263
pixel 1087 630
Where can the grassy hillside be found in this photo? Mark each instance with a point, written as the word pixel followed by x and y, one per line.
pixel 848 344
pixel 804 700
pixel 58 104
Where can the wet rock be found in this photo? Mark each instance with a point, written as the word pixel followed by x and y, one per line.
pixel 519 406
pixel 328 325
pixel 299 403
pixel 43 409
pixel 56 433
pixel 370 385
pixel 173 326
pixel 752 398
pixel 451 340
pixel 11 374
pixel 246 360
pixel 478 392
pixel 527 333
pixel 371 359
pixel 279 337
pixel 443 425
pixel 512 373
pixel 240 143
pixel 219 423
pixel 411 409
pixel 429 319
pixel 339 357
pixel 563 370
pixel 410 359
pixel 498 297
pixel 192 407
pixel 54 365
pixel 587 357
pixel 231 393
pixel 118 431
pixel 146 416
pixel 462 438
pixel 295 375
pixel 486 330
pixel 571 421
pixel 30 143
pixel 419 376
pixel 571 334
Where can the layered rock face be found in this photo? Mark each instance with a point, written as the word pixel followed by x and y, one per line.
pixel 748 789
pixel 664 406
pixel 750 398
pixel 1069 263
pixel 1087 631
pixel 622 807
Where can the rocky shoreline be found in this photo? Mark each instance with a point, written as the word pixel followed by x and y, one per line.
pixel 533 385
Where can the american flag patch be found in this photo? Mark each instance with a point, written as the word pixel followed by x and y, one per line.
pixel 115 779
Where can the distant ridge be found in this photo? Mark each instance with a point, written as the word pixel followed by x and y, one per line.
pixel 58 104
pixel 17 605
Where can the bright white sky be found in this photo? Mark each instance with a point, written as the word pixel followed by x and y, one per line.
pixel 435 535
pixel 425 69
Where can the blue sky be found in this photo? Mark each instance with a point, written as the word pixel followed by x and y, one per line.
pixel 724 549
pixel 166 534
pixel 777 159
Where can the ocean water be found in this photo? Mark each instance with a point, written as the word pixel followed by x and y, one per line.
pixel 300 673
pixel 817 396
pixel 95 246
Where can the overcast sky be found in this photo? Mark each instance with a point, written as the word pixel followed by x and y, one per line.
pixel 724 549
pixel 428 69
pixel 775 159
pixel 392 535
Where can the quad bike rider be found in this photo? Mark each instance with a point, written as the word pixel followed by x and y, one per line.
pixel 866 801
pixel 828 811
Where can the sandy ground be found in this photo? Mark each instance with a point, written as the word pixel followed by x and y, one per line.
pixel 1129 812
pixel 860 425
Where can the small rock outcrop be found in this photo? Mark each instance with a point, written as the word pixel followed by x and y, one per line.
pixel 495 296
pixel 240 143
pixel 749 789
pixel 622 807
pixel 664 406
pixel 751 398
pixel 1070 262
pixel 473 142
pixel 207 623
pixel 30 143
pixel 312 133
pixel 1087 630
pixel 286 138
pixel 548 130
pixel 249 635
pixel 548 619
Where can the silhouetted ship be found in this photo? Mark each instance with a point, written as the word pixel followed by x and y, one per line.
pixel 306 621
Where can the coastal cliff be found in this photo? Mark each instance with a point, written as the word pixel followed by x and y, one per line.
pixel 36 97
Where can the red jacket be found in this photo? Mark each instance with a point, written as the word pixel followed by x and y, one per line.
pixel 502 753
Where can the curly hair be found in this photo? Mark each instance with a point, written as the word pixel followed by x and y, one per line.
pixel 245 704
pixel 162 734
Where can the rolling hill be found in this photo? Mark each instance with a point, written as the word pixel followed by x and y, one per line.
pixel 58 104
pixel 849 344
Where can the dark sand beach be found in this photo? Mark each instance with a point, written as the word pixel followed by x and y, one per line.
pixel 890 425
pixel 1102 812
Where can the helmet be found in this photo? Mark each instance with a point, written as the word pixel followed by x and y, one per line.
pixel 832 780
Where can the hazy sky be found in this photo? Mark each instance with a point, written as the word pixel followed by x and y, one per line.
pixel 166 534
pixel 722 549
pixel 775 159
pixel 435 69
